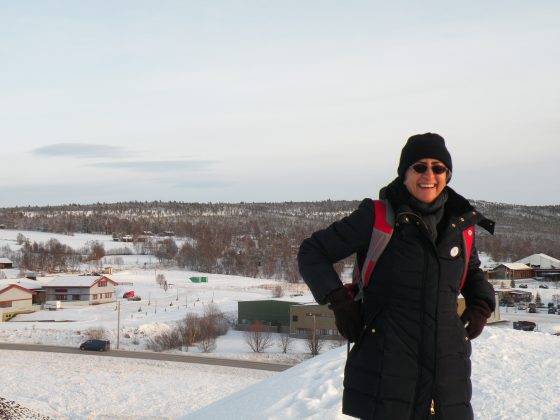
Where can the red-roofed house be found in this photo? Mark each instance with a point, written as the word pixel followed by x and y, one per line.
pixel 81 290
pixel 15 300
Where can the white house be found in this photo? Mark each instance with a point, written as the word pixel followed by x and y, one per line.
pixel 541 261
pixel 80 290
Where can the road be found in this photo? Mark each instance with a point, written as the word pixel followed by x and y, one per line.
pixel 183 358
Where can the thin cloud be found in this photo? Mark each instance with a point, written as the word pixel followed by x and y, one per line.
pixel 157 165
pixel 80 150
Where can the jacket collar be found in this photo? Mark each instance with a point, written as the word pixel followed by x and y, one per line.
pixel 457 208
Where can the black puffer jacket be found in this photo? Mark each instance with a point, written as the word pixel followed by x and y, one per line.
pixel 413 349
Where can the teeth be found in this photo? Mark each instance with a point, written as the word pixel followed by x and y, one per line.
pixel 427 185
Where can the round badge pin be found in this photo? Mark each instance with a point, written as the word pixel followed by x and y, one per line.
pixel 454 251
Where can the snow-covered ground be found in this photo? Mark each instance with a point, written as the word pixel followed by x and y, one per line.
pixel 515 374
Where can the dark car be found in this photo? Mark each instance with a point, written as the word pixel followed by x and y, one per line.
pixel 551 310
pixel 543 286
pixel 532 310
pixel 99 345
pixel 524 325
pixel 523 286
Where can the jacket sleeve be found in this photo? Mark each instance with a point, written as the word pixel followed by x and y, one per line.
pixel 476 286
pixel 322 249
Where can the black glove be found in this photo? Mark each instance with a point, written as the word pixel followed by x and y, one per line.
pixel 475 315
pixel 347 313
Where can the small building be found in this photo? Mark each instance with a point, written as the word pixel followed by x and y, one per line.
pixel 272 313
pixel 199 279
pixel 81 290
pixel 515 296
pixel 305 318
pixel 15 299
pixel 540 261
pixel 6 263
pixel 513 271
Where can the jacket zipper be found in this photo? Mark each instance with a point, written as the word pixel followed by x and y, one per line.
pixel 433 403
pixel 434 249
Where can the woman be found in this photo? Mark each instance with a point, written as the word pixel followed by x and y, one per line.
pixel 411 357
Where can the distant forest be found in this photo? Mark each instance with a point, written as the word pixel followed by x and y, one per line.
pixel 258 239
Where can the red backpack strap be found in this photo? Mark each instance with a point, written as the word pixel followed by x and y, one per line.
pixel 380 237
pixel 468 239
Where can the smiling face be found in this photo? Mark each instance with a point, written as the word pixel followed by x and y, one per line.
pixel 427 186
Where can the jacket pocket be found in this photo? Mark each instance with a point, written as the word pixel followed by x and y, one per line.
pixel 365 360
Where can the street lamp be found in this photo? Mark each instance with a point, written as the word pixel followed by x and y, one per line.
pixel 314 337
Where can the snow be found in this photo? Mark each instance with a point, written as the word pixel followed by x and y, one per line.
pixel 515 374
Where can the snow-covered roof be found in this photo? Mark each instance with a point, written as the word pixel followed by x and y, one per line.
pixel 75 281
pixel 542 260
pixel 30 285
pixel 4 288
pixel 515 266
pixel 5 261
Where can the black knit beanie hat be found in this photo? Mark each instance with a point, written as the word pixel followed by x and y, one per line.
pixel 423 146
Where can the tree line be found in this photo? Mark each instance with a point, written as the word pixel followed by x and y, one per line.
pixel 249 239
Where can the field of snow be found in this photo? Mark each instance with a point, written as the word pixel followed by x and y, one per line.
pixel 515 374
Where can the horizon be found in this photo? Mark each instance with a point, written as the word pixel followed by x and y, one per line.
pixel 243 203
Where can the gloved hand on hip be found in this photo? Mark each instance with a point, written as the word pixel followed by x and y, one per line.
pixel 347 313
pixel 475 316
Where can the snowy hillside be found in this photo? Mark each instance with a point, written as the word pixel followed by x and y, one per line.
pixel 515 376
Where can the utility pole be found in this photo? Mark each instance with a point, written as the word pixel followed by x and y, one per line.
pixel 118 323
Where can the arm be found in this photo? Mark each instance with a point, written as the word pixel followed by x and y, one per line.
pixel 476 286
pixel 322 249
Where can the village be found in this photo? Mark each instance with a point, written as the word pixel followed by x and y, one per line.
pixel 145 292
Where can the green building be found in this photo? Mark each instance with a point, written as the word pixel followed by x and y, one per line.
pixel 274 313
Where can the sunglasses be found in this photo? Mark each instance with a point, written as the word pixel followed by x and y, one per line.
pixel 420 168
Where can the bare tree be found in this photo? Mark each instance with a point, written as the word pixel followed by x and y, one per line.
pixel 285 341
pixel 314 344
pixel 189 328
pixel 96 251
pixel 160 279
pixel 277 291
pixel 207 344
pixel 20 238
pixel 258 337
pixel 95 333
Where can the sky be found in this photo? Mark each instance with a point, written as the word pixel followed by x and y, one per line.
pixel 273 101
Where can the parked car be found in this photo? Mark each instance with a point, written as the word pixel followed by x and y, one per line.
pixel 99 345
pixel 128 295
pixel 524 325
pixel 551 310
pixel 532 310
pixel 543 286
pixel 522 306
pixel 523 286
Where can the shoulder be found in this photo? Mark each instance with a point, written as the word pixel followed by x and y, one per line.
pixel 459 206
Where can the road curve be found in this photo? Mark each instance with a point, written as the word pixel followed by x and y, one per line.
pixel 183 358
